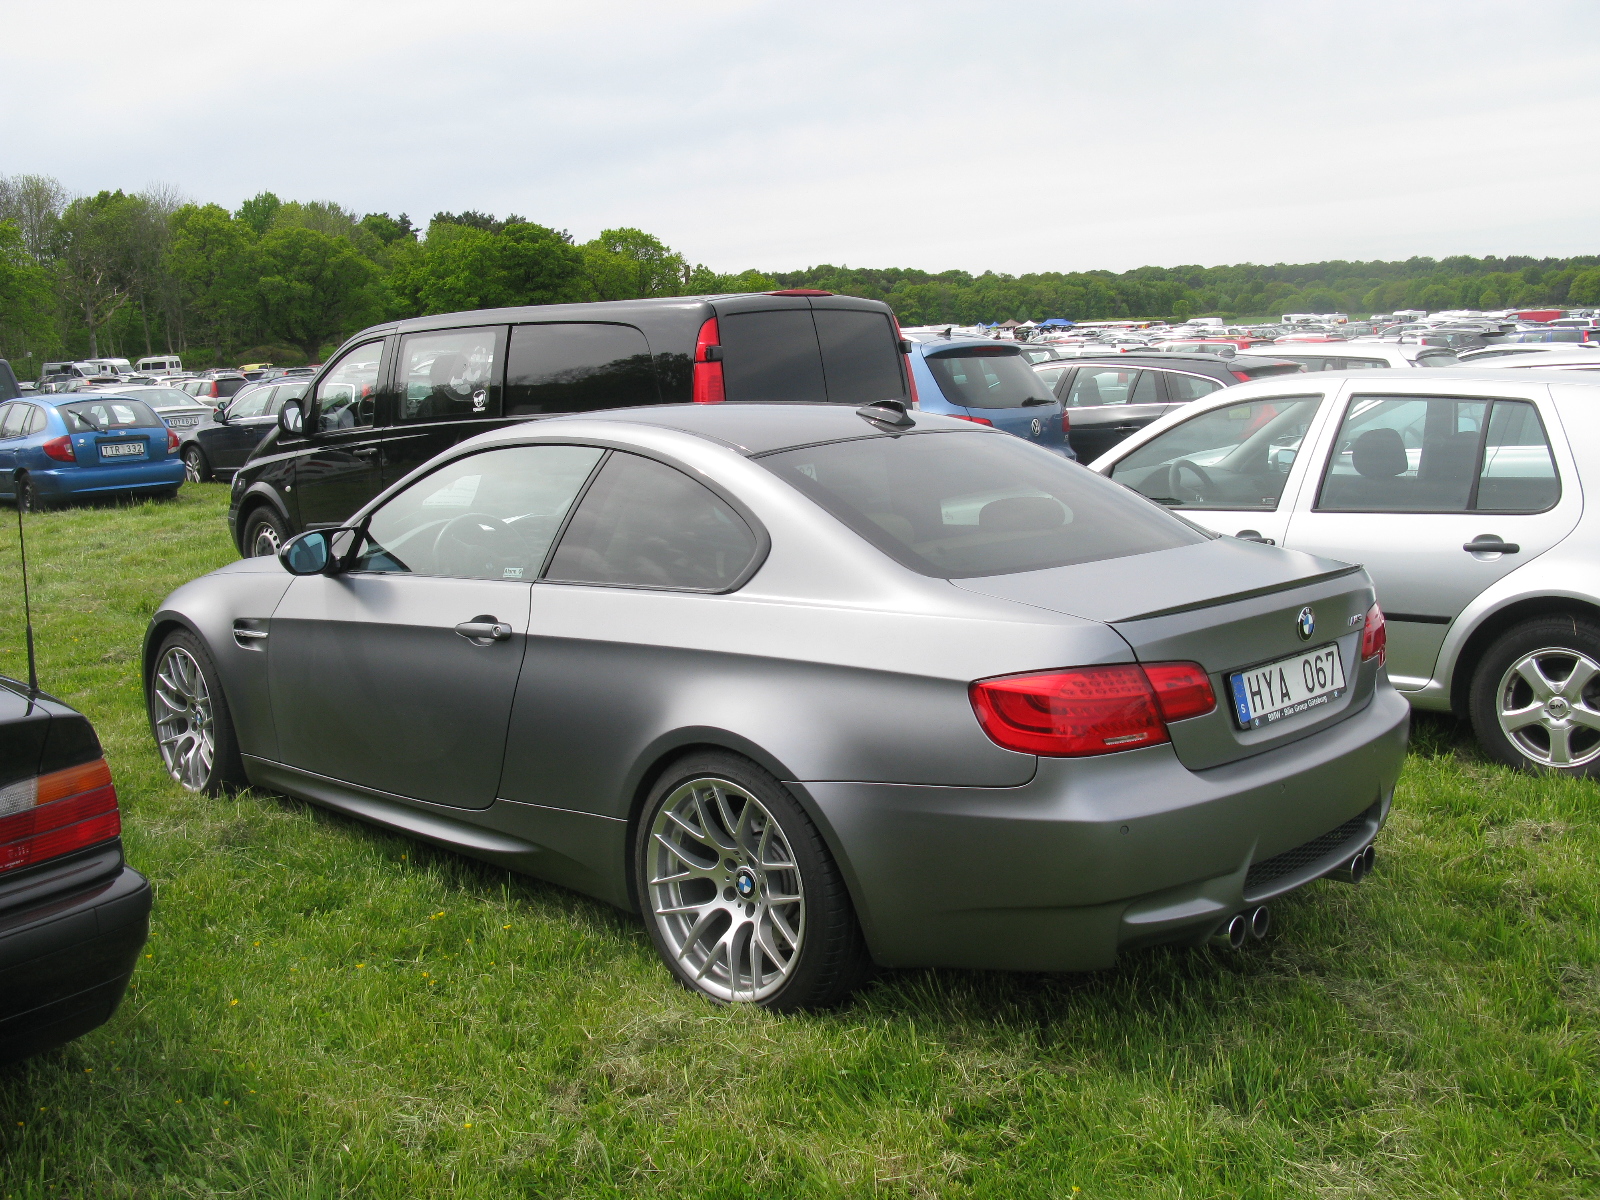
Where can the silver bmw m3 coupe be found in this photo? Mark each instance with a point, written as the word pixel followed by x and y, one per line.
pixel 810 688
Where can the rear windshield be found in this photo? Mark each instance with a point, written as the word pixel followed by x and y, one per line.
pixel 957 505
pixel 985 378
pixel 114 412
pixel 166 398
pixel 227 387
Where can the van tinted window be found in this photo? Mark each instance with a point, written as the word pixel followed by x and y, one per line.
pixel 771 356
pixel 577 368
pixel 860 356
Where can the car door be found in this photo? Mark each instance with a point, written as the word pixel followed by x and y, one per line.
pixel 13 423
pixel 398 673
pixel 1410 484
pixel 228 444
pixel 1233 467
pixel 1107 403
pixel 342 466
pixel 448 385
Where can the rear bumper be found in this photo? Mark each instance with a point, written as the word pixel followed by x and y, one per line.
pixel 65 961
pixel 123 477
pixel 1097 855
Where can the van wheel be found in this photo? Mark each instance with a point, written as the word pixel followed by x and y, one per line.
pixel 1536 696
pixel 740 895
pixel 264 534
pixel 195 467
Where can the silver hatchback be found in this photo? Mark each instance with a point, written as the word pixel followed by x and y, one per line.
pixel 811 687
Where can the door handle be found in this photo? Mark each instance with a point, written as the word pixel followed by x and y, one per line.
pixel 365 451
pixel 1254 535
pixel 484 630
pixel 1487 543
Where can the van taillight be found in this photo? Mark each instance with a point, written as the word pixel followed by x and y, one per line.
pixel 708 387
pixel 911 376
pixel 1375 636
pixel 60 449
pixel 51 815
pixel 1091 710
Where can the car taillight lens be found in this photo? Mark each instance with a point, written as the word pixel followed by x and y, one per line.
pixel 974 420
pixel 51 815
pixel 911 376
pixel 708 387
pixel 1240 376
pixel 1090 710
pixel 60 449
pixel 172 441
pixel 1066 422
pixel 1375 636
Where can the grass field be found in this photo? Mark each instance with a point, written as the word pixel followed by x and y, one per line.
pixel 327 1010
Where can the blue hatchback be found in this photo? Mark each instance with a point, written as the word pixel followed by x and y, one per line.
pixel 990 383
pixel 54 447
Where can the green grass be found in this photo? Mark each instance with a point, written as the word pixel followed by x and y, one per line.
pixel 328 1010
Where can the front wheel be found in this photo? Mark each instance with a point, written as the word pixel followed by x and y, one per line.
pixel 1536 696
pixel 740 895
pixel 190 718
pixel 264 534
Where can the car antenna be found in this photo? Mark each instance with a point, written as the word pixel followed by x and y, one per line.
pixel 27 609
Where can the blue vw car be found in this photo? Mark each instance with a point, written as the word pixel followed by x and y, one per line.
pixel 988 383
pixel 55 447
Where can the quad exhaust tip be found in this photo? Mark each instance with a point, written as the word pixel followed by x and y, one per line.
pixel 1250 925
pixel 1356 868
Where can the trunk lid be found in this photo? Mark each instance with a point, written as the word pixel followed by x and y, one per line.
pixel 1228 605
pixel 128 446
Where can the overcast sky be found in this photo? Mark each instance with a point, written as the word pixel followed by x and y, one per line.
pixel 1070 135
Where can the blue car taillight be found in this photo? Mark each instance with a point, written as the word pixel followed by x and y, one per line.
pixel 60 449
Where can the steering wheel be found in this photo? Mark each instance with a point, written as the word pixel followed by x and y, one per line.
pixel 1175 482
pixel 472 546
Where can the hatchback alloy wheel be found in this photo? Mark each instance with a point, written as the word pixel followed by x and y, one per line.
pixel 181 707
pixel 1548 705
pixel 725 892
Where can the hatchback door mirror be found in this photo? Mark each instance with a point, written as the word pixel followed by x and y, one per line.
pixel 290 418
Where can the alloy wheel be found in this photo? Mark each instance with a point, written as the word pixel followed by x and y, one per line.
pixel 1548 706
pixel 183 719
pixel 725 891
pixel 191 466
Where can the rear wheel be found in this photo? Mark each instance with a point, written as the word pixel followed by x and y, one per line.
pixel 1536 696
pixel 740 895
pixel 264 533
pixel 190 718
pixel 28 497
pixel 195 467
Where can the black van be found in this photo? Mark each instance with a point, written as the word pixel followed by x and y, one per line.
pixel 396 395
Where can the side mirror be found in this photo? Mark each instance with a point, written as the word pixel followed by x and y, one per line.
pixel 1283 459
pixel 291 420
pixel 317 552
pixel 220 414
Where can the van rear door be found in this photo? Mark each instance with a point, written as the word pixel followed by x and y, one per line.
pixel 836 349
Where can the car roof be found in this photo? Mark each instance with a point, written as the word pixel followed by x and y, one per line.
pixel 758 428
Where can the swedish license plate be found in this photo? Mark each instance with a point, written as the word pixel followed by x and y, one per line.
pixel 1274 690
pixel 121 449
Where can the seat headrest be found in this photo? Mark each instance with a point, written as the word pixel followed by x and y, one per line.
pixel 1380 454
pixel 1021 514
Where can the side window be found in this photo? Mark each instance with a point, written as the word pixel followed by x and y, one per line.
pixel 1052 376
pixel 345 397
pixel 251 404
pixel 285 393
pixel 487 516
pixel 1234 457
pixel 771 356
pixel 36 420
pixel 11 418
pixel 860 356
pixel 1183 388
pixel 449 374
pixel 1147 390
pixel 1519 473
pixel 578 368
pixel 1095 386
pixel 643 524
pixel 1404 454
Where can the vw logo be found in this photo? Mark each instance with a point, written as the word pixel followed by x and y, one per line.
pixel 1038 428
pixel 745 885
pixel 1306 623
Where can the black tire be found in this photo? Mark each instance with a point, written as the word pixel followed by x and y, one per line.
pixel 181 658
pixel 1520 709
pixel 786 860
pixel 28 497
pixel 264 533
pixel 195 467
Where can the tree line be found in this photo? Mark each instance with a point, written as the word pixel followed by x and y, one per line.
pixel 129 274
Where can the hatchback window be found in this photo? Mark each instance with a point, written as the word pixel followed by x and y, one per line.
pixel 984 378
pixel 345 397
pixel 1438 358
pixel 860 356
pixel 644 524
pixel 448 375
pixel 94 416
pixel 229 387
pixel 957 505
pixel 1234 457
pixel 487 516
pixel 578 368
pixel 771 356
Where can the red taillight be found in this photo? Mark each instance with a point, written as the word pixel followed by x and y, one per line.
pixel 60 449
pixel 56 814
pixel 1240 376
pixel 974 420
pixel 708 387
pixel 1090 710
pixel 172 441
pixel 911 376
pixel 1375 637
pixel 1066 422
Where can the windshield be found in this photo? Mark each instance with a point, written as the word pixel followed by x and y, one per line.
pixel 957 505
pixel 112 413
pixel 985 378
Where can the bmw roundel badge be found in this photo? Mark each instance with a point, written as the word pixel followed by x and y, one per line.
pixel 745 885
pixel 1306 623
